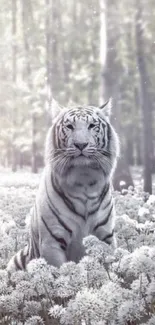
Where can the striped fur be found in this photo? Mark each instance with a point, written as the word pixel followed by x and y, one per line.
pixel 74 197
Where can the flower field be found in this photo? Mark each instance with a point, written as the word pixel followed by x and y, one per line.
pixel 105 288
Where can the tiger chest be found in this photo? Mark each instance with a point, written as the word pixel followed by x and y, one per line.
pixel 83 189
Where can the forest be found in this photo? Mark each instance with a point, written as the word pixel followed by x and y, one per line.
pixel 76 52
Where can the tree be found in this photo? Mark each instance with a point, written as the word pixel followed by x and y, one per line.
pixel 60 43
pixel 145 100
pixel 14 79
pixel 28 20
pixel 103 50
pixel 122 173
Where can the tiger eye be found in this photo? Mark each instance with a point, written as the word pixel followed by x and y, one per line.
pixel 91 126
pixel 70 126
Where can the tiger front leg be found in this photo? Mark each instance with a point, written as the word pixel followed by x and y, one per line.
pixel 53 241
pixel 53 253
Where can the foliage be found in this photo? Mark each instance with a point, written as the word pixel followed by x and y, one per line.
pixel 57 47
pixel 106 287
pixel 49 40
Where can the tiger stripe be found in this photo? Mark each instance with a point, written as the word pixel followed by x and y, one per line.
pixel 56 213
pixel 108 237
pixel 103 222
pixel 61 240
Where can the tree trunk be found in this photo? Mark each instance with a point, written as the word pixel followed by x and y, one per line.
pixel 122 178
pixel 138 136
pixel 48 61
pixel 27 13
pixel 21 160
pixel 122 173
pixel 145 100
pixel 48 43
pixel 103 51
pixel 54 48
pixel 138 147
pixel 14 78
pixel 129 146
pixel 91 85
pixel 34 145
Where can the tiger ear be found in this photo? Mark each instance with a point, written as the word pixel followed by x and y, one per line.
pixel 106 108
pixel 55 109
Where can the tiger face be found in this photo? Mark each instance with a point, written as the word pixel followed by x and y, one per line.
pixel 83 135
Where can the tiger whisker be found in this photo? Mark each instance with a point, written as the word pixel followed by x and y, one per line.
pixel 63 164
pixel 55 160
pixel 106 151
pixel 66 149
pixel 106 163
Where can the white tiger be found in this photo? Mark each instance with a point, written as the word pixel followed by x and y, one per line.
pixel 74 197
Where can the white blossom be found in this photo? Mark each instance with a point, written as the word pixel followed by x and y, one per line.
pixel 56 311
pixel 143 212
pixel 107 286
pixel 35 320
pixel 151 199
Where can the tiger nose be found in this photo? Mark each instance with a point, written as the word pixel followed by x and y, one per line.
pixel 80 145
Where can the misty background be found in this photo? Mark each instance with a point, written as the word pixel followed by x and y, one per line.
pixel 77 52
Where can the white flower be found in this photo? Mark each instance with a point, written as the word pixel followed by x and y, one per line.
pixel 36 264
pixel 35 320
pixel 56 311
pixel 122 183
pixel 143 211
pixel 86 306
pixel 7 226
pixel 130 310
pixel 151 199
